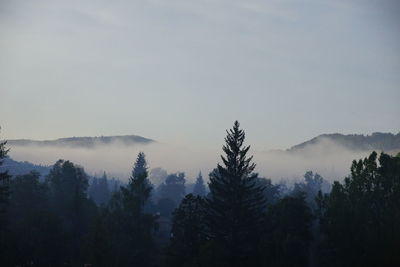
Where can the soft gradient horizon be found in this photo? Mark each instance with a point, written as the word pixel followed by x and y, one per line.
pixel 182 71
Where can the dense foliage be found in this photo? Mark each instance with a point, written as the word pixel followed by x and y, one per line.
pixel 4 180
pixel 199 187
pixel 235 205
pixel 361 216
pixel 66 218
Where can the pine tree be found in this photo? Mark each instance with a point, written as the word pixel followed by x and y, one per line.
pixel 199 187
pixel 4 179
pixel 235 205
pixel 104 191
pixel 93 190
pixel 140 166
pixel 4 197
pixel 139 186
pixel 187 233
pixel 130 224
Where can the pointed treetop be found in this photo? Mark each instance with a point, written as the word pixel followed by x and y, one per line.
pixel 235 158
pixel 199 187
pixel 236 199
pixel 3 150
pixel 140 166
pixel 139 187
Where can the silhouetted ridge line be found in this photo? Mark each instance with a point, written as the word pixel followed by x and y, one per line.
pixel 375 141
pixel 86 142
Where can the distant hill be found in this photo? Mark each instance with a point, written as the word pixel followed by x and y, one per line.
pixel 83 142
pixel 22 167
pixel 355 142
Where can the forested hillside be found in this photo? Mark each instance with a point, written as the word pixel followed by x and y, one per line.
pixel 376 141
pixel 22 167
pixel 64 217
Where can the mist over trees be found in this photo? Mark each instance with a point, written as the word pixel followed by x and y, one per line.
pixel 326 155
pixel 235 205
pixel 199 188
pixel 233 217
pixel 99 190
pixel 130 226
pixel 173 188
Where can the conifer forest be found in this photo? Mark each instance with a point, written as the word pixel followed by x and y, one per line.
pixel 199 133
pixel 237 218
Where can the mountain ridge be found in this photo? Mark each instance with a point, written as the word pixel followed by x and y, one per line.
pixel 358 142
pixel 15 167
pixel 328 146
pixel 84 141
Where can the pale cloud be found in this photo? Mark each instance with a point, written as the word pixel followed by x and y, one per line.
pixel 327 158
pixel 177 70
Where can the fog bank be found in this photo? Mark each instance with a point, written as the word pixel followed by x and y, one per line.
pixel 329 159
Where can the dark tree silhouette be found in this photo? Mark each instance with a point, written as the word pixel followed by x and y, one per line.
pixel 199 187
pixel 4 181
pixel 235 204
pixel 188 232
pixel 104 190
pixel 139 187
pixel 361 216
pixel 313 183
pixel 174 188
pixel 131 228
pixel 165 207
pixel 35 234
pixel 68 185
pixel 243 221
pixel 287 233
pixel 271 192
pixel 99 190
pixel 140 166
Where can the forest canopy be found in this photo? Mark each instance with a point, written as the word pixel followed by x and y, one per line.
pixel 64 217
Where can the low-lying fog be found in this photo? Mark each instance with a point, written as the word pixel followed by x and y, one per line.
pixel 327 158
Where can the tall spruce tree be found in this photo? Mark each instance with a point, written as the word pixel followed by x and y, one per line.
pixel 130 225
pixel 199 187
pixel 235 205
pixel 140 166
pixel 139 186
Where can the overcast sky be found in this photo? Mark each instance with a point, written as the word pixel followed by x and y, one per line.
pixel 181 71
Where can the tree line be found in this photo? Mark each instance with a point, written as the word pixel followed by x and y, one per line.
pixel 238 219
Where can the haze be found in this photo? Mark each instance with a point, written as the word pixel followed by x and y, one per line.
pixel 313 84
pixel 181 72
pixel 331 160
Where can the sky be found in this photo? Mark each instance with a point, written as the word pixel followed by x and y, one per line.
pixel 181 71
